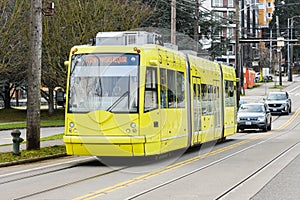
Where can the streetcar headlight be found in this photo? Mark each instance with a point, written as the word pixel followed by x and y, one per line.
pixel 133 125
pixel 128 130
pixel 71 124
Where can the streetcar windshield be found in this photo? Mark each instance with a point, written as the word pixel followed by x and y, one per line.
pixel 103 82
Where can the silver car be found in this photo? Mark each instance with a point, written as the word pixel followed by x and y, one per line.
pixel 254 116
pixel 279 102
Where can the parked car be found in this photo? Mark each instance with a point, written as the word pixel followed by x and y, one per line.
pixel 279 102
pixel 254 116
pixel 264 78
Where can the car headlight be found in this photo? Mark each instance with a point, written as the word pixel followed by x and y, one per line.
pixel 261 119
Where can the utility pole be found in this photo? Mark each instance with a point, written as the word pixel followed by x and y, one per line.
pixel 196 25
pixel 288 54
pixel 173 22
pixel 279 51
pixel 34 76
pixel 237 51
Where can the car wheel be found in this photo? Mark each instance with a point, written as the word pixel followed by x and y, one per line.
pixel 270 126
pixel 287 111
pixel 265 128
pixel 290 109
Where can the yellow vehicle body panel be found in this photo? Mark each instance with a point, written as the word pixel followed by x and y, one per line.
pixel 158 131
pixel 210 130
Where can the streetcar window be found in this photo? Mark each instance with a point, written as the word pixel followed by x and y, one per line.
pixel 180 90
pixel 210 99
pixel 229 93
pixel 163 88
pixel 171 89
pixel 151 89
pixel 204 95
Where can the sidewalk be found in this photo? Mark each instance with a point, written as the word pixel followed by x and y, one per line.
pixel 258 93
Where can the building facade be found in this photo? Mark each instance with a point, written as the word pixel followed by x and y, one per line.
pixel 253 16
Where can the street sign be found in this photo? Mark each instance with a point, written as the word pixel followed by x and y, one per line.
pixel 280 41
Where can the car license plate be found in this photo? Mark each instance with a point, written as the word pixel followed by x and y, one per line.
pixel 248 123
pixel 274 109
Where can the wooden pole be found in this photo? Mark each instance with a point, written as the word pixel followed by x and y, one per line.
pixel 34 77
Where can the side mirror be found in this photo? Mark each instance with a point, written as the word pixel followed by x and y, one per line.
pixel 66 63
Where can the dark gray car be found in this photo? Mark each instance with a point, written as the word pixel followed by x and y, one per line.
pixel 279 102
pixel 254 116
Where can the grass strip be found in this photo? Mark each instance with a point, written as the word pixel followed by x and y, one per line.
pixel 30 154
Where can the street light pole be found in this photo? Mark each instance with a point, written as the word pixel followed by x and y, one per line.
pixel 279 51
pixel 237 51
pixel 173 22
pixel 196 26
pixel 288 53
pixel 290 36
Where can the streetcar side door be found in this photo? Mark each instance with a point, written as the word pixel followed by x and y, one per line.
pixel 196 110
pixel 173 110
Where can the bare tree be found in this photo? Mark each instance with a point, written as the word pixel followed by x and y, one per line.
pixel 13 45
pixel 75 23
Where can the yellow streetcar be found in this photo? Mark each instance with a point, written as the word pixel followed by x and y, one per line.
pixel 127 95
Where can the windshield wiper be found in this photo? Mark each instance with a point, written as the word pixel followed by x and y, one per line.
pixel 117 101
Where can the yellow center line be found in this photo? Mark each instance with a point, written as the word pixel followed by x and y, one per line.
pixel 123 184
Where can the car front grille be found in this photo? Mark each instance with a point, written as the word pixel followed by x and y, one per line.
pixel 249 118
pixel 274 105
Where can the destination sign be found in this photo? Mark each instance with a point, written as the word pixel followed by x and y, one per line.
pixel 111 59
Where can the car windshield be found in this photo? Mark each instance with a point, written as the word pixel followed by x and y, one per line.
pixel 251 108
pixel 276 96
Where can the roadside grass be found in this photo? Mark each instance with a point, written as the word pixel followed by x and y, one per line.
pixel 28 154
pixel 42 152
pixel 53 137
pixel 16 118
pixel 278 87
